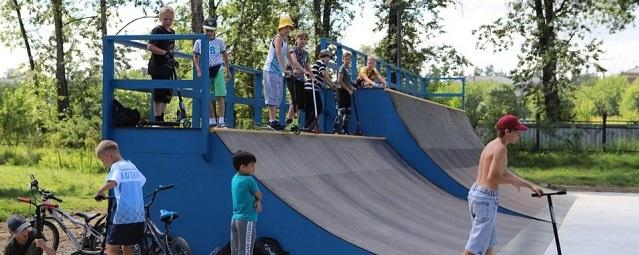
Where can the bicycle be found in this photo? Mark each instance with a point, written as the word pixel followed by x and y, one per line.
pixel 161 242
pixel 90 239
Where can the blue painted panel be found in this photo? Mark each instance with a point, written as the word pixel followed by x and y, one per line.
pixel 202 194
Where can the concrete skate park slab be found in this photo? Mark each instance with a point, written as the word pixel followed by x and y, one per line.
pixel 600 223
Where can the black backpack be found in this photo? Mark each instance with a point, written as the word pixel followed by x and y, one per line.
pixel 268 246
pixel 263 246
pixel 124 116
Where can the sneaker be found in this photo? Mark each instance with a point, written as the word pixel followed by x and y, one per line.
pixel 222 125
pixel 275 125
pixel 212 125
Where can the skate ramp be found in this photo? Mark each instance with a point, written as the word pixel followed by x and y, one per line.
pixel 362 191
pixel 445 134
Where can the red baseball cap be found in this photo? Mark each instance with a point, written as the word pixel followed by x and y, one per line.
pixel 510 122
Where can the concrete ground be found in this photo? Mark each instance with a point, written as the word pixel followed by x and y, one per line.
pixel 600 223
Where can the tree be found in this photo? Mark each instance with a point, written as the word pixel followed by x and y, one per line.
pixel 60 71
pixel 601 98
pixel 197 16
pixel 330 17
pixel 418 25
pixel 630 102
pixel 555 45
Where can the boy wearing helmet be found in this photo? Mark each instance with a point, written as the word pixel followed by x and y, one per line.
pixel 274 68
pixel 218 70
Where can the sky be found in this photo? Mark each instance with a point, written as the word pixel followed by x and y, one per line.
pixel 621 49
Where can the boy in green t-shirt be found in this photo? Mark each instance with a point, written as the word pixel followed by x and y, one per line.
pixel 247 202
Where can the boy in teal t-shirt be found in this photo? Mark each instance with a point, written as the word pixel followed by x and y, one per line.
pixel 247 203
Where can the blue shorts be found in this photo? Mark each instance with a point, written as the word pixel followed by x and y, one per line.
pixel 273 87
pixel 126 234
pixel 483 204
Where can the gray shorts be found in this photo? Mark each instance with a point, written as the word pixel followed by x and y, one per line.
pixel 273 87
pixel 483 204
pixel 242 237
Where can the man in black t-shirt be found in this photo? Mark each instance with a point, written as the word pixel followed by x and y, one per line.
pixel 23 241
pixel 160 64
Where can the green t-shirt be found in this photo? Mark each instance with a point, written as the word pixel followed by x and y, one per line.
pixel 243 189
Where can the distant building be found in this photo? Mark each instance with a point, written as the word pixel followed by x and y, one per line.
pixel 631 74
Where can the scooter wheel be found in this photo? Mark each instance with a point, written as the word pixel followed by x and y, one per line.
pixel 296 130
pixel 187 124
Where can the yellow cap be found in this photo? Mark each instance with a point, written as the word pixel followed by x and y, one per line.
pixel 285 21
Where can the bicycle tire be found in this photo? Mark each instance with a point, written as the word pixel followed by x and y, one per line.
pixel 179 246
pixel 149 247
pixel 51 234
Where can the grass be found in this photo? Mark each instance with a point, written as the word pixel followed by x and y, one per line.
pixel 598 169
pixel 75 175
pixel 75 188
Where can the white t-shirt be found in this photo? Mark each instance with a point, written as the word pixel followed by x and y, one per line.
pixel 128 192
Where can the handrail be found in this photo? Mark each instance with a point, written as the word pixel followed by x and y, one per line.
pixel 397 78
pixel 200 114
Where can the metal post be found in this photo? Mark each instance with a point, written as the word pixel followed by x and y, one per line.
pixel 554 225
pixel 398 27
pixel 107 86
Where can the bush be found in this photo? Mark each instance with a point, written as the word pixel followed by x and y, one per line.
pixel 630 102
pixel 77 160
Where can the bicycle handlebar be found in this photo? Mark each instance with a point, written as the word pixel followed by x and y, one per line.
pixel 561 192
pixel 101 198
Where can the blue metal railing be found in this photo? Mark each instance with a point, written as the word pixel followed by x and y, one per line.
pixel 199 88
pixel 402 80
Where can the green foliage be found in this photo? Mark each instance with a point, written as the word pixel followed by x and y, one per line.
pixel 486 101
pixel 17 111
pixel 77 160
pixel 577 169
pixel 417 26
pixel 76 188
pixel 555 45
pixel 630 102
pixel 603 96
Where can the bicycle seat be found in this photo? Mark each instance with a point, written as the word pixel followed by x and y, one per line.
pixel 168 216
pixel 87 216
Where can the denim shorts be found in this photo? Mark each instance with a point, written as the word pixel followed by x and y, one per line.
pixel 483 204
pixel 273 88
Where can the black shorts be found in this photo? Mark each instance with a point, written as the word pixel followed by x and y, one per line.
pixel 343 98
pixel 126 234
pixel 296 89
pixel 162 95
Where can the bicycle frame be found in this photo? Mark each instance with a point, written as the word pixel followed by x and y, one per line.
pixel 159 237
pixel 59 215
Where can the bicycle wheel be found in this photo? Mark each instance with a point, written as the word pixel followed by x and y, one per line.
pixel 50 234
pixel 149 247
pixel 179 246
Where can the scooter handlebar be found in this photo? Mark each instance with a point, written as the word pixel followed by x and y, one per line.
pixel 562 192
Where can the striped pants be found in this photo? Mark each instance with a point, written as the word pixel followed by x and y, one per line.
pixel 242 237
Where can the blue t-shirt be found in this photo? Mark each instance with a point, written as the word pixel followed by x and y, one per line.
pixel 216 48
pixel 128 192
pixel 243 189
